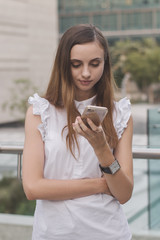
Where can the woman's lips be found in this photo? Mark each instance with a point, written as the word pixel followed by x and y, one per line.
pixel 85 82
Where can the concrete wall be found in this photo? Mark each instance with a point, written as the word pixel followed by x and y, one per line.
pixel 28 40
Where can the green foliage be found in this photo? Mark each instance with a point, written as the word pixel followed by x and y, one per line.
pixel 19 94
pixel 13 199
pixel 141 58
pixel 144 67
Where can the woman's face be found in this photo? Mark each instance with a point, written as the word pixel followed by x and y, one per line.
pixel 87 65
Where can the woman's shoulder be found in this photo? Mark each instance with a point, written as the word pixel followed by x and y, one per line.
pixel 121 115
pixel 39 104
pixel 123 103
pixel 39 110
pixel 31 121
pixel 122 106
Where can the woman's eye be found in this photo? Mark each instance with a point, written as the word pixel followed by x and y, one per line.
pixel 75 65
pixel 95 64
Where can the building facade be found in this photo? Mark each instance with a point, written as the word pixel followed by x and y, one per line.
pixel 28 39
pixel 116 18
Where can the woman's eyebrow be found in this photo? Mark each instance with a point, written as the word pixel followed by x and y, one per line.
pixel 94 59
pixel 75 60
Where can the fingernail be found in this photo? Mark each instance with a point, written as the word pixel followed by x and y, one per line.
pixel 78 118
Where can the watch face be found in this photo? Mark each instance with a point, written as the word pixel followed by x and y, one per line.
pixel 114 167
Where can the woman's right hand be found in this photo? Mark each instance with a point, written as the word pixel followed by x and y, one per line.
pixel 105 186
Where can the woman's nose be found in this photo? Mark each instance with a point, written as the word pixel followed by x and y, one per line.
pixel 86 72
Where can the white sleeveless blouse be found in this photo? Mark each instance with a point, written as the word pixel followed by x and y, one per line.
pixel 94 217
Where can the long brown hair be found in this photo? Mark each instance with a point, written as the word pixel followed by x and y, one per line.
pixel 60 91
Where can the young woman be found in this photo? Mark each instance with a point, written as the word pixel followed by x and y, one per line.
pixel 79 175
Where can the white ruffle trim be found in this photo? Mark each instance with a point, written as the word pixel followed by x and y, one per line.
pixel 122 113
pixel 40 107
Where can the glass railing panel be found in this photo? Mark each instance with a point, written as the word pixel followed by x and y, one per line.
pixel 154 194
pixel 12 197
pixel 8 165
pixel 154 169
pixel 136 209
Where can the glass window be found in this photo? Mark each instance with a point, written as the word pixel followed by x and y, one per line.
pixel 92 11
pixel 154 169
pixel 66 22
pixel 137 20
pixel 106 22
pixel 102 5
pixel 147 20
pixel 158 19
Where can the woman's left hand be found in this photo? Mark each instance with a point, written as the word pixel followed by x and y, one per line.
pixel 95 136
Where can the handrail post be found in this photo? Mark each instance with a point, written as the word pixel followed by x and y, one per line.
pixel 19 166
pixel 148 193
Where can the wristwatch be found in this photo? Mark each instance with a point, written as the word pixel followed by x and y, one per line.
pixel 112 169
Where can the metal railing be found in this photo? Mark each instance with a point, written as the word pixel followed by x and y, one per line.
pixel 142 153
pixel 18 150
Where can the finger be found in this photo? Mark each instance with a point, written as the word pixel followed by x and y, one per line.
pixel 82 125
pixel 94 128
pixel 77 128
pixel 98 129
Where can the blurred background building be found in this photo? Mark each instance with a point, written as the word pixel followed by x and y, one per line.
pixel 29 33
pixel 116 18
pixel 28 38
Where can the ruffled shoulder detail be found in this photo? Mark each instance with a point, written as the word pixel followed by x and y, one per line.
pixel 121 115
pixel 40 107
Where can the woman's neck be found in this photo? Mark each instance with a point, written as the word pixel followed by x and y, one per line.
pixel 81 96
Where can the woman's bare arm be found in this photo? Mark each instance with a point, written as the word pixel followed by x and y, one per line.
pixel 34 183
pixel 121 183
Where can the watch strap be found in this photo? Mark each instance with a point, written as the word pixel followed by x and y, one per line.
pixel 112 169
pixel 105 169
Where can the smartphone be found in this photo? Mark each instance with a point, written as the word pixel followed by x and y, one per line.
pixel 95 113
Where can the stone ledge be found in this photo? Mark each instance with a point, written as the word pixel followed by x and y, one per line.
pixel 18 227
pixel 146 235
pixel 15 219
pixel 15 227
